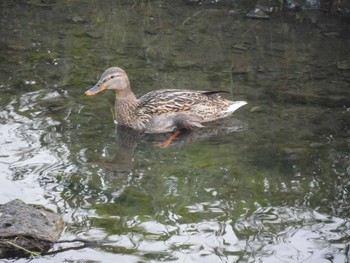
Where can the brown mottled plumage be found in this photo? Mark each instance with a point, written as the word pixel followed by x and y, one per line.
pixel 164 110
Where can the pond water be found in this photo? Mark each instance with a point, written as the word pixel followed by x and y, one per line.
pixel 270 184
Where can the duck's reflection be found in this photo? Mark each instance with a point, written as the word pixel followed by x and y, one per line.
pixel 127 140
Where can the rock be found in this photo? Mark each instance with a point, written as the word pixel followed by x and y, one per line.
pixel 325 5
pixel 14 44
pixel 27 228
pixel 257 109
pixel 257 13
pixel 93 34
pixel 78 19
pixel 233 12
pixel 301 4
pixel 343 65
pixel 241 46
pixel 184 63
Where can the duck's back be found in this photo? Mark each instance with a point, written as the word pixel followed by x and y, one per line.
pixel 182 100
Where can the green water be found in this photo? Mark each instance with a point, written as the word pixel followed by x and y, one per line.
pixel 274 189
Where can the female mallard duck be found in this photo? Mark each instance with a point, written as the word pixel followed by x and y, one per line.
pixel 165 110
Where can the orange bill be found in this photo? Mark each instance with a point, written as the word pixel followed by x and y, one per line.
pixel 96 89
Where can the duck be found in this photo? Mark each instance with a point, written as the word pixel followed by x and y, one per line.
pixel 163 110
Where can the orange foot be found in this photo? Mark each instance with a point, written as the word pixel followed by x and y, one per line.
pixel 168 141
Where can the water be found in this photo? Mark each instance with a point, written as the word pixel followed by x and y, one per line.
pixel 275 188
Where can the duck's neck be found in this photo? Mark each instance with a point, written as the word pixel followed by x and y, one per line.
pixel 126 108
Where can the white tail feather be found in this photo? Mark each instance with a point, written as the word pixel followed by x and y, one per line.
pixel 234 106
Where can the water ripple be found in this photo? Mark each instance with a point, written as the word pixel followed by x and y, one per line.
pixel 288 234
pixel 34 157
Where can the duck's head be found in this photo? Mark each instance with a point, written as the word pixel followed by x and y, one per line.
pixel 113 78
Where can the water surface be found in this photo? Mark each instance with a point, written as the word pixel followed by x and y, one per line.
pixel 275 188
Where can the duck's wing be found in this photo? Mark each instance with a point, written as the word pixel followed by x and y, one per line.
pixel 175 100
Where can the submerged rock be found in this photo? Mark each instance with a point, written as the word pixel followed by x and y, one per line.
pixel 257 13
pixel 27 228
pixel 324 5
pixel 343 65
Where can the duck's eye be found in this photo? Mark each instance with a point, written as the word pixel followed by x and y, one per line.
pixel 112 77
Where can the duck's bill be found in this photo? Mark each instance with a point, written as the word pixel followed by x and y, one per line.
pixel 96 89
